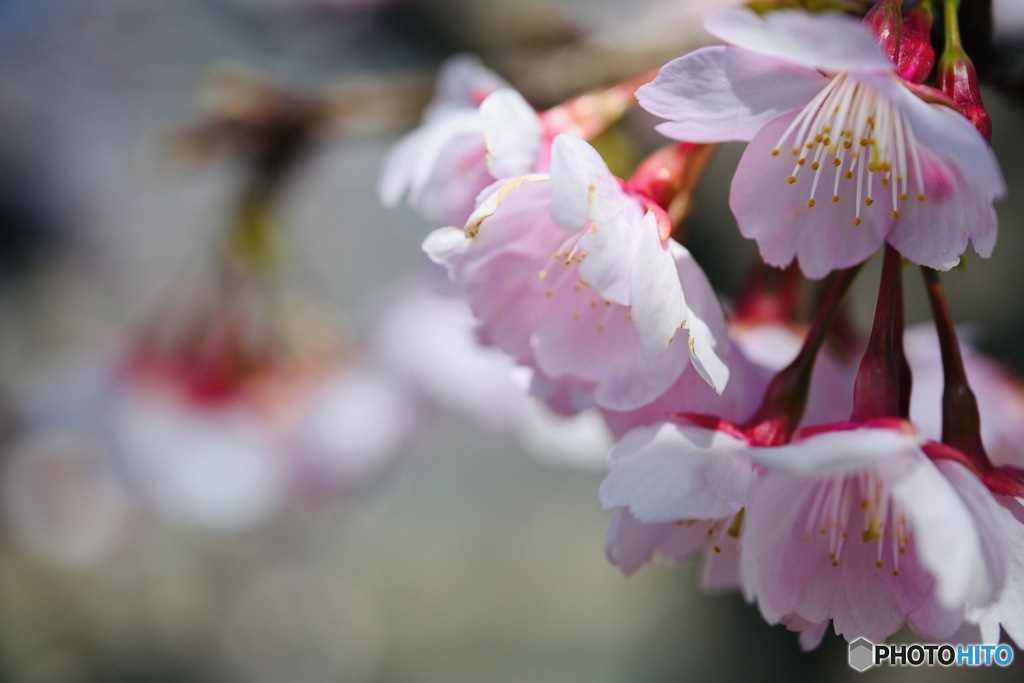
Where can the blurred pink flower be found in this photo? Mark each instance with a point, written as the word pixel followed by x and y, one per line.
pixel 570 274
pixel 843 155
pixel 450 366
pixel 999 395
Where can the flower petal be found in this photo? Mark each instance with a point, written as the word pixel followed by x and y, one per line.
pixel 462 83
pixel 659 309
pixel 1008 611
pixel 775 212
pixel 946 533
pixel 682 473
pixel 709 341
pixel 721 93
pixel 839 452
pixel 512 134
pixel 828 41
pixel 631 544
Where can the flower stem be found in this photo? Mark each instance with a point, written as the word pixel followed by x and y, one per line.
pixel 882 388
pixel 786 397
pixel 961 421
pixel 951 9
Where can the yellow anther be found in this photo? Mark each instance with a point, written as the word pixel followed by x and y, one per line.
pixel 810 203
pixel 836 162
pixel 856 220
pixel 868 201
pixel 835 198
pixel 791 179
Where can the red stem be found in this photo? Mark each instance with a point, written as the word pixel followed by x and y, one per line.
pixel 961 421
pixel 883 379
pixel 784 401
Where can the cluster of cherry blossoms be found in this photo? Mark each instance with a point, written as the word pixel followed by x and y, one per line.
pixel 868 481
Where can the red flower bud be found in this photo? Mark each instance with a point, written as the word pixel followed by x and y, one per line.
pixel 959 80
pixel 886 21
pixel 916 55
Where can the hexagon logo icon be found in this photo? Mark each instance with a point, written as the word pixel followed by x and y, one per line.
pixel 862 654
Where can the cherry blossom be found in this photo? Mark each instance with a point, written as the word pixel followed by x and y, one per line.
pixel 477 130
pixel 575 278
pixel 855 524
pixel 843 155
pixel 678 490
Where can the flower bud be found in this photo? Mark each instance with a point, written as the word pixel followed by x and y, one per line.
pixel 916 56
pixel 886 22
pixel 959 80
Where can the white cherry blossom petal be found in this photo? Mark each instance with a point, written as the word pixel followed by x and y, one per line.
pixel 512 134
pixel 723 93
pixel 829 41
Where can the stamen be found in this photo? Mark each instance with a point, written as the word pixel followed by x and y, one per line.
pixel 845 120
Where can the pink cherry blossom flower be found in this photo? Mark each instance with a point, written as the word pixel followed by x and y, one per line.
pixel 858 526
pixel 575 278
pixel 477 130
pixel 843 155
pixel 758 352
pixel 678 490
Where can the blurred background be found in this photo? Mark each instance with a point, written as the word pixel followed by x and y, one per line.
pixel 132 136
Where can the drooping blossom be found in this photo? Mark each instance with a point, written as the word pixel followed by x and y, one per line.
pixel 775 373
pixel 575 278
pixel 671 455
pixel 855 524
pixel 843 154
pixel 677 490
pixel 476 130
